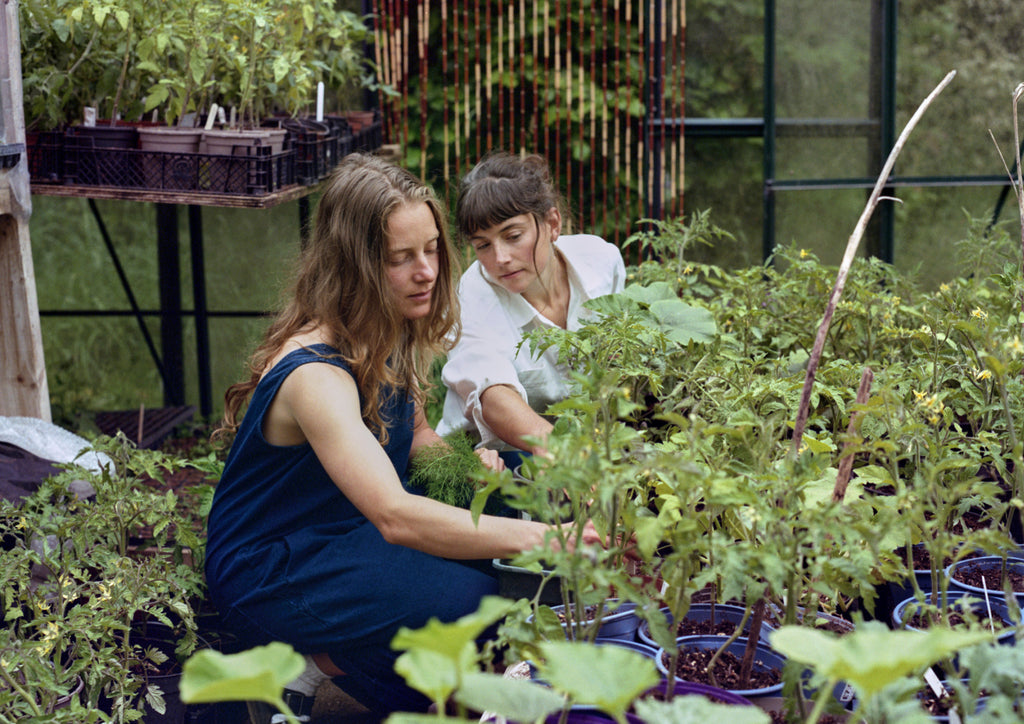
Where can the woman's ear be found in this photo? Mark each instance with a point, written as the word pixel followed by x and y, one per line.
pixel 554 222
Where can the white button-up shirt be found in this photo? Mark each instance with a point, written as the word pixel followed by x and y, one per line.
pixel 495 320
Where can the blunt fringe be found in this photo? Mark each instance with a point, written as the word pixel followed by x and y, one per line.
pixel 501 186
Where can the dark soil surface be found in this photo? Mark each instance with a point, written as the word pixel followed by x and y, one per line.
pixel 688 627
pixel 974 578
pixel 693 666
pixel 923 559
pixel 954 619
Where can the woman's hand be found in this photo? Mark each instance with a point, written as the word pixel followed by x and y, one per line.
pixel 590 537
pixel 490 459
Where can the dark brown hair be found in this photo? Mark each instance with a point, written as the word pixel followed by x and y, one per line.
pixel 501 186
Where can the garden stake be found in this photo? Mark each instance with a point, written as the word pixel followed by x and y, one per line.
pixel 988 606
pixel 848 256
pixel 846 463
pixel 1016 184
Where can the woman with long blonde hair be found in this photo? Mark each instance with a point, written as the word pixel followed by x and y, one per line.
pixel 313 538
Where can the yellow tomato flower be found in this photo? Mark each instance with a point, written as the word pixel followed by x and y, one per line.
pixel 979 313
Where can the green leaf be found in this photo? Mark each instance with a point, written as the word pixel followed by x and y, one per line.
pixel 609 677
pixel 431 673
pixel 259 674
pixel 698 710
pixel 650 293
pixel 515 699
pixel 451 639
pixel 682 322
pixel 873 655
pixel 156 98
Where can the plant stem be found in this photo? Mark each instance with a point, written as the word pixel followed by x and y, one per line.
pixel 1018 469
pixel 21 691
pixel 820 701
pixel 848 257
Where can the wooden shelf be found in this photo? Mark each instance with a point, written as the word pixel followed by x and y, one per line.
pixel 187 198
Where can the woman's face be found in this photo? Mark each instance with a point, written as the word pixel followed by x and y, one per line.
pixel 413 258
pixel 516 252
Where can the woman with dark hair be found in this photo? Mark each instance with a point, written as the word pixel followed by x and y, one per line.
pixel 527 275
pixel 313 538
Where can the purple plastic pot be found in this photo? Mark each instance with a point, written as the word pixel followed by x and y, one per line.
pixel 693 688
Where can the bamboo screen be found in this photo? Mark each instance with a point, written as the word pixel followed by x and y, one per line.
pixel 596 86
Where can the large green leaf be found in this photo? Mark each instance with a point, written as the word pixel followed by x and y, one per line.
pixel 651 293
pixel 609 677
pixel 697 710
pixel 450 639
pixel 433 674
pixel 259 674
pixel 515 699
pixel 682 322
pixel 873 655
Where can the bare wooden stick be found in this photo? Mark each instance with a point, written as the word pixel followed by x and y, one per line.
pixel 848 257
pixel 1017 184
pixel 846 464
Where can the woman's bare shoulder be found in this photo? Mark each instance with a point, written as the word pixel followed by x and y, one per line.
pixel 299 340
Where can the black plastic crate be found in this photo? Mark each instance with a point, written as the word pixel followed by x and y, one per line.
pixel 45 151
pixel 257 172
pixel 315 146
pixel 101 156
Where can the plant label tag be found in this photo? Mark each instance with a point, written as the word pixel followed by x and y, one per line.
pixel 933 681
pixel 89 118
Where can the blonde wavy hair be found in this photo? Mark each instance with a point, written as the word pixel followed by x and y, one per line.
pixel 340 284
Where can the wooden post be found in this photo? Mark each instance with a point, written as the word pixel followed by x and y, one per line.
pixel 23 388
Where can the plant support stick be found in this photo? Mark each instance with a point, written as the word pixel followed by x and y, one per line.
pixel 848 256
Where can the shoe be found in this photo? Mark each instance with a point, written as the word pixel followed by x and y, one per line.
pixel 301 705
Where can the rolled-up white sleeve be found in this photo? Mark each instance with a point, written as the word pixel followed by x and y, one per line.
pixel 484 356
pixel 495 321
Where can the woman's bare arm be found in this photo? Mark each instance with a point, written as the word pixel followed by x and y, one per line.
pixel 511 419
pixel 323 402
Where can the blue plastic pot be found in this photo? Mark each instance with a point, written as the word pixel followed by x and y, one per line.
pixel 618 624
pixel 766 660
pixel 991 567
pixel 702 612
pixel 643 649
pixel 906 609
